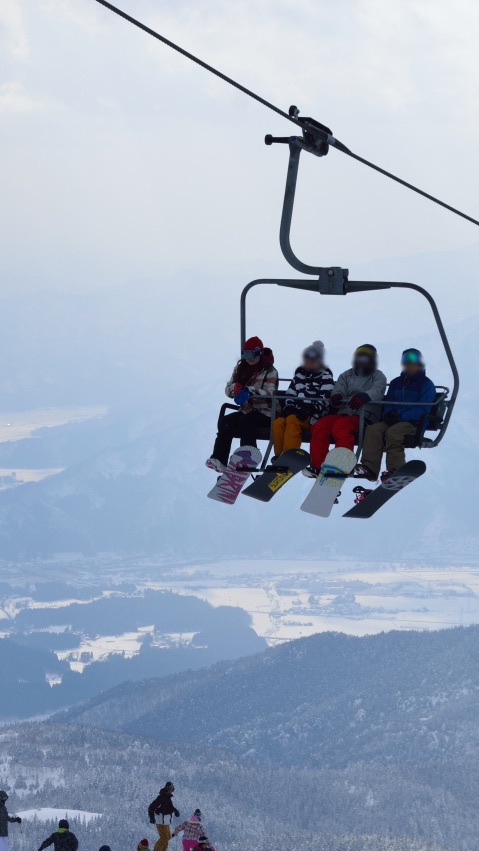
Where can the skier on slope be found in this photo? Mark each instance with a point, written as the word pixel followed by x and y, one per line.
pixel 5 819
pixel 358 387
pixel 62 839
pixel 307 399
pixel 192 829
pixel 253 375
pixel 161 812
pixel 398 421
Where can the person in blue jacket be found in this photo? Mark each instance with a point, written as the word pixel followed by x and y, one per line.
pixel 398 421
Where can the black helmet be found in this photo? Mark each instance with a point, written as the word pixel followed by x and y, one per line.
pixel 63 824
pixel 105 848
pixel 170 786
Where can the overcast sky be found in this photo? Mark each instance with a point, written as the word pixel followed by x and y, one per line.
pixel 122 160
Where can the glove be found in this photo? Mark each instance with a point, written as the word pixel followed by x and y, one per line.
pixel 358 400
pixel 242 396
pixel 391 418
pixel 302 411
pixel 18 820
pixel 152 820
pixel 237 389
pixel 177 813
pixel 336 399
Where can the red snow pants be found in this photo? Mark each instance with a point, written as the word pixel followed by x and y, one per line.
pixel 342 431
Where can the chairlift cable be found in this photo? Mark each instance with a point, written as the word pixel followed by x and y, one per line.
pixel 331 140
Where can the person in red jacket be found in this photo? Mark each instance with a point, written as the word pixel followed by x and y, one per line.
pixel 253 376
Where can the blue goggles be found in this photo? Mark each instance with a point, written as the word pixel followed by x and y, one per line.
pixel 412 357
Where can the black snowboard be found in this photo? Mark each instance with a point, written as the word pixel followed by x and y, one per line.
pixel 403 477
pixel 277 474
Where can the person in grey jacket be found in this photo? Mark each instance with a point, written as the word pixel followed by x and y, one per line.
pixel 358 387
pixel 5 819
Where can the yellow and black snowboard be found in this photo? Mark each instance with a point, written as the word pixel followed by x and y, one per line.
pixel 287 465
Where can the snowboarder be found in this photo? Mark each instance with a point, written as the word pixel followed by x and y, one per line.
pixel 359 386
pixel 161 812
pixel 5 818
pixel 62 840
pixel 193 831
pixel 254 375
pixel 398 422
pixel 307 399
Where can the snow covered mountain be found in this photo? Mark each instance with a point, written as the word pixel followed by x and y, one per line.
pixel 387 726
pixel 244 805
pixel 396 697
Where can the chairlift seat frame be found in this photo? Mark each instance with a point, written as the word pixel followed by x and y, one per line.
pixel 334 280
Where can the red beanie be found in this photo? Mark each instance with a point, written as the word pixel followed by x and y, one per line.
pixel 253 343
pixel 143 843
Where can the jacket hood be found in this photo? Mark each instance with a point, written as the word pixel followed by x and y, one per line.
pixel 268 357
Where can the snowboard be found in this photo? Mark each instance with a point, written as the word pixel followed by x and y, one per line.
pixel 408 473
pixel 287 465
pixel 334 471
pixel 229 484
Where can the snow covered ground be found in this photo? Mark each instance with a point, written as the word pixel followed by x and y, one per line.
pixel 17 425
pixel 128 644
pixel 52 814
pixel 289 601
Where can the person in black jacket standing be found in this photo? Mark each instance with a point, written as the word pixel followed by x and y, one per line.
pixel 161 812
pixel 5 819
pixel 62 840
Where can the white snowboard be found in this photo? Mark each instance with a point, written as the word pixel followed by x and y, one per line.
pixel 326 488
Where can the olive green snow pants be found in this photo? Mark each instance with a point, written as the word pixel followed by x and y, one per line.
pixel 381 438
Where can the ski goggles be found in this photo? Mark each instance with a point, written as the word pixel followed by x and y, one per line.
pixel 412 357
pixel 364 359
pixel 251 354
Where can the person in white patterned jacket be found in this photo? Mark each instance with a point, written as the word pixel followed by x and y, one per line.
pixel 307 399
pixel 251 386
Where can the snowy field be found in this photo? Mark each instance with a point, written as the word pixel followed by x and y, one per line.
pixel 289 601
pixel 285 599
pixel 17 425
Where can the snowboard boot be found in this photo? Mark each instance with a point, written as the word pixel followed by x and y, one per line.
pixel 311 472
pixel 214 464
pixel 363 472
pixel 361 494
